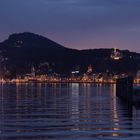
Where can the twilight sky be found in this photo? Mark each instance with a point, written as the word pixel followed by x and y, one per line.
pixel 80 24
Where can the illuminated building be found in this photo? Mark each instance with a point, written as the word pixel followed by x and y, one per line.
pixel 116 54
pixel 89 69
pixel 85 78
pixel 137 78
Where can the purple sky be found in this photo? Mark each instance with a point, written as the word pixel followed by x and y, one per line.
pixel 80 24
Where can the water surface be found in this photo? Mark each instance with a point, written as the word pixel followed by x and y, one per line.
pixel 65 112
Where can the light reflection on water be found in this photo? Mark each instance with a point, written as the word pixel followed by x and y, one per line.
pixel 65 111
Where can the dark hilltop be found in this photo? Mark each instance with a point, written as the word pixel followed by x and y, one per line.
pixel 21 51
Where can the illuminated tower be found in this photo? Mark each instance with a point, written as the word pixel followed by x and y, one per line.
pixel 33 71
pixel 90 69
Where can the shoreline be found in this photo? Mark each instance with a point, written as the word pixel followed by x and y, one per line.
pixel 59 82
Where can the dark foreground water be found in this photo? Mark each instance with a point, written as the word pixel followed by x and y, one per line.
pixel 66 112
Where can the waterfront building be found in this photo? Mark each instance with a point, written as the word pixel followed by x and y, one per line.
pixel 85 78
pixel 137 78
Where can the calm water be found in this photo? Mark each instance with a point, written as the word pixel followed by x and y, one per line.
pixel 65 112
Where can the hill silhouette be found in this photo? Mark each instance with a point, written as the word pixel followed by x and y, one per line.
pixel 21 51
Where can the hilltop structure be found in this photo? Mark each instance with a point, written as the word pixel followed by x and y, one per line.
pixel 116 54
